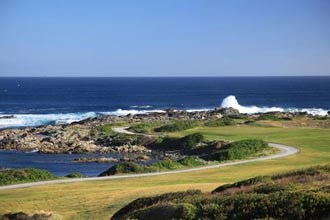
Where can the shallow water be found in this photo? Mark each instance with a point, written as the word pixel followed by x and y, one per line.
pixel 58 164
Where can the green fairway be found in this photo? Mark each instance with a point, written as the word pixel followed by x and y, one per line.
pixel 100 199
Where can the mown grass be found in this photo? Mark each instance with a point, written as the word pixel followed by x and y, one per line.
pixel 100 199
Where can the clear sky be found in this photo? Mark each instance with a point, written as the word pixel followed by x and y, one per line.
pixel 164 37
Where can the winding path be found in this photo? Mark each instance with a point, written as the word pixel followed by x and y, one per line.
pixel 284 151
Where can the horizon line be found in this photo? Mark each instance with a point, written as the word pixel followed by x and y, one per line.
pixel 182 76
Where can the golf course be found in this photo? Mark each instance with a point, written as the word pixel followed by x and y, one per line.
pixel 102 198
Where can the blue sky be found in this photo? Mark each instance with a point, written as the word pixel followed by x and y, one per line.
pixel 164 37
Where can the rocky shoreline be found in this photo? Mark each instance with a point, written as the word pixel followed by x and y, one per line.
pixel 140 158
pixel 85 137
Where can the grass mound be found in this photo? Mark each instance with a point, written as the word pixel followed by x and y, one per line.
pixel 164 165
pixel 12 176
pixel 75 175
pixel 239 150
pixel 187 142
pixel 265 197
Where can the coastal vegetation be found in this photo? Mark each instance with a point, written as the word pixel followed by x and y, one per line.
pixel 187 142
pixel 225 121
pixel 145 127
pixel 163 165
pixel 239 150
pixel 307 196
pixel 74 175
pixel 101 199
pixel 12 176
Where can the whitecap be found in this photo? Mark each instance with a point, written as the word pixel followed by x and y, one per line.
pixel 27 120
pixel 122 112
pixel 231 101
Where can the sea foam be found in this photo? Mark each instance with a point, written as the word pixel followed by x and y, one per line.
pixel 27 120
pixel 31 120
pixel 231 101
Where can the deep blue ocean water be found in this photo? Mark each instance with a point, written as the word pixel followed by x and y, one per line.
pixel 71 95
pixel 37 101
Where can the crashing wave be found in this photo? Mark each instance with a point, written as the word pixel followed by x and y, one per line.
pixel 122 112
pixel 231 101
pixel 27 120
pixel 32 120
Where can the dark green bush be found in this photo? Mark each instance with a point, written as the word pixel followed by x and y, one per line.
pixel 142 203
pixel 239 150
pixel 279 205
pixel 185 143
pixel 165 212
pixel 282 205
pixel 163 165
pixel 192 161
pixel 12 176
pixel 190 141
pixel 127 167
pixel 266 199
pixel 74 175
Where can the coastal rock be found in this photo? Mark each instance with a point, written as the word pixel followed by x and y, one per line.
pixel 96 160
pixel 170 111
pixel 84 137
pixel 228 111
pixel 7 116
pixel 143 158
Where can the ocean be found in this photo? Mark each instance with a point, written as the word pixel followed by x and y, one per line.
pixel 39 101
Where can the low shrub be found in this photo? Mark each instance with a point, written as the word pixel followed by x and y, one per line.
pixel 142 203
pixel 225 121
pixel 190 141
pixel 280 205
pixel 74 175
pixel 239 150
pixel 192 161
pixel 12 176
pixel 272 117
pixel 164 165
pixel 127 167
pixel 267 199
pixel 105 129
pixel 166 211
pixel 185 143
